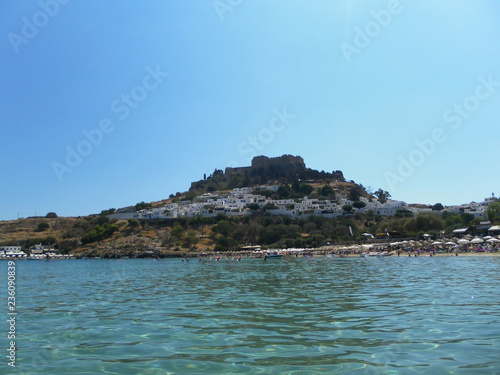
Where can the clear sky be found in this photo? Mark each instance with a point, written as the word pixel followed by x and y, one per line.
pixel 108 103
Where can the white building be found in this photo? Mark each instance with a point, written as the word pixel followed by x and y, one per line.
pixel 235 203
pixel 10 252
pixel 14 249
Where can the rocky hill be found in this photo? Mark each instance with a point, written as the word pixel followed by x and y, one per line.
pixel 285 169
pixel 98 235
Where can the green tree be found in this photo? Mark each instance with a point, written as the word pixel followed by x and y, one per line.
pixel 359 204
pixel 223 243
pixel 108 211
pixel 477 220
pixel 355 193
pixel 467 218
pixel 403 213
pixel 224 227
pixel 296 185
pixel 253 206
pixel 49 240
pixel 382 195
pixel 51 215
pixel 191 239
pixel 437 207
pixel 178 231
pixel 270 206
pixel 309 227
pixel 74 232
pixel 142 206
pixel 451 218
pixel 188 197
pixel 102 219
pixel 327 191
pixel 429 221
pixel 306 189
pixel 99 233
pixel 493 212
pixel 347 208
pixel 328 230
pixel 271 234
pixel 317 240
pixel 43 227
pixel 133 223
pixel 267 220
pixel 283 191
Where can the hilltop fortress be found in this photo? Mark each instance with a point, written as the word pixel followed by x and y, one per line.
pixel 283 165
pixel 232 192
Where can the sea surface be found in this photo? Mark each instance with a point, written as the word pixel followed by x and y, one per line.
pixel 391 315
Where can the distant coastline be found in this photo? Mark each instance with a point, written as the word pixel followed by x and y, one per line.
pixel 276 203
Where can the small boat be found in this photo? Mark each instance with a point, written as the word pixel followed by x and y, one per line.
pixel 273 255
pixel 379 254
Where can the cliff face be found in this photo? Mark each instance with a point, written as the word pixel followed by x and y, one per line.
pixel 338 176
pixel 284 164
pixel 264 170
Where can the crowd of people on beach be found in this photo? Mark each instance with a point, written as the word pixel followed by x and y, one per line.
pixel 400 249
pixel 447 249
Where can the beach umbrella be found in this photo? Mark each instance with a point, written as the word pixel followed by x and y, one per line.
pixel 437 243
pixel 477 240
pixel 487 237
pixel 450 243
pixel 463 240
pixel 493 240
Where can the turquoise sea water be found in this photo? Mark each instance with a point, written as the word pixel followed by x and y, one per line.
pixel 285 316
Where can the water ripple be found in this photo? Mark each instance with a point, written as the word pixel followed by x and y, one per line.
pixel 289 316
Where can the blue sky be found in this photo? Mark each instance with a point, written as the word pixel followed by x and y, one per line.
pixel 106 104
